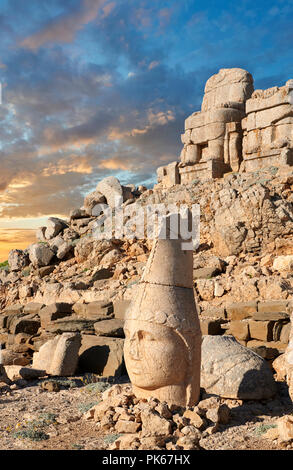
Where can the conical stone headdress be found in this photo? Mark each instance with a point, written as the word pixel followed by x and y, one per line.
pixel 165 293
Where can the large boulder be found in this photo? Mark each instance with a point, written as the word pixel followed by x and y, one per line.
pixel 18 259
pixel 114 193
pixel 40 254
pixel 231 370
pixel 54 227
pixel 58 356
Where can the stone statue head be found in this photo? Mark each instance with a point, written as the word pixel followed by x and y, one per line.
pixel 162 333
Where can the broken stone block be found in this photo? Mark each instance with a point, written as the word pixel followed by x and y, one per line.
pixel 26 324
pixel 279 365
pixel 112 327
pixel 102 356
pixel 285 428
pixel 241 310
pixel 285 333
pixel 154 425
pixel 239 329
pixel 128 427
pixel 270 316
pixel 261 330
pixel 231 370
pixel 272 306
pixel 92 200
pixel 94 310
pixel 64 250
pixel 19 372
pixel 54 312
pixel 194 419
pixel 72 325
pixel 213 312
pixel 112 190
pixel 33 308
pixel 59 356
pixel 45 271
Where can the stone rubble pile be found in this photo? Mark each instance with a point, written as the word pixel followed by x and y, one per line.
pixel 150 424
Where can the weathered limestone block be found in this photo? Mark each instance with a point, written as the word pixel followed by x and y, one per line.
pixel 59 356
pixel 112 327
pixel 94 310
pixel 262 330
pixel 64 250
pixel 241 310
pixel 101 355
pixel 162 346
pixel 55 243
pixel 19 372
pixel 231 370
pixel 71 324
pixel 78 213
pixel 27 324
pixel 154 425
pixel 40 234
pixel 239 329
pixel 54 312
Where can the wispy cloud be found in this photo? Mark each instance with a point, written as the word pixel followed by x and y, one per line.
pixel 64 27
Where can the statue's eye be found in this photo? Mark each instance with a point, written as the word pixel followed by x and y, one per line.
pixel 146 335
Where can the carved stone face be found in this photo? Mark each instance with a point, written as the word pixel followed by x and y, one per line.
pixel 155 355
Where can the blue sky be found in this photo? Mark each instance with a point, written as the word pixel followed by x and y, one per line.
pixel 93 88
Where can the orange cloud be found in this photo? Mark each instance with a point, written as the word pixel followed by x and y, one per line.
pixel 115 164
pixel 64 28
pixel 153 64
pixel 78 165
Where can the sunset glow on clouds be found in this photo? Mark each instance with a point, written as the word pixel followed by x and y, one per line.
pixel 99 87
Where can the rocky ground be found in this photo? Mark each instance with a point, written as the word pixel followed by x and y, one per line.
pixel 33 417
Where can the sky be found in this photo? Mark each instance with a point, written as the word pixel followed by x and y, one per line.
pixel 92 88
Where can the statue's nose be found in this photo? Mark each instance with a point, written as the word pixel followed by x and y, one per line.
pixel 134 349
